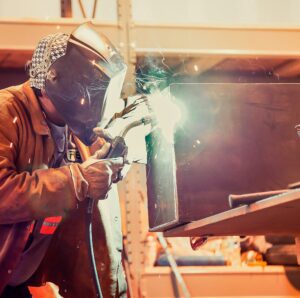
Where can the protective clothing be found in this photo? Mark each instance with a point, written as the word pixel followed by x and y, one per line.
pixel 85 80
pixel 26 149
pixel 29 190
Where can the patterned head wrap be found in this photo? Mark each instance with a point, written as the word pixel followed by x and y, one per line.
pixel 48 50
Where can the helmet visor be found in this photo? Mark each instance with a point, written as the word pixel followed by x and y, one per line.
pixel 82 84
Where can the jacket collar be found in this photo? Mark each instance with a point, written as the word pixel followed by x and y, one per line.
pixel 37 116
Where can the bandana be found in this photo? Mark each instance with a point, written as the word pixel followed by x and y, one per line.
pixel 48 50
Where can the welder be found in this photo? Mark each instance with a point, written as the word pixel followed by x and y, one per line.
pixel 72 80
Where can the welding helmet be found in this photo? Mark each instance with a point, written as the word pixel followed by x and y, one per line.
pixel 85 80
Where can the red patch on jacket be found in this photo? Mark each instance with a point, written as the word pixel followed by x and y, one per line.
pixel 50 225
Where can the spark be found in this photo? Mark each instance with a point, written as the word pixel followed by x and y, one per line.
pixel 15 119
pixel 198 142
pixel 11 145
pixel 29 160
pixel 82 101
pixel 196 68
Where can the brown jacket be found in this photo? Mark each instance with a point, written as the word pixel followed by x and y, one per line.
pixel 28 189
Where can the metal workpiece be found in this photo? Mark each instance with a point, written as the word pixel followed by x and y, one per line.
pixel 234 139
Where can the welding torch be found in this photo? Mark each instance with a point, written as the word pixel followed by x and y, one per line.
pixel 118 146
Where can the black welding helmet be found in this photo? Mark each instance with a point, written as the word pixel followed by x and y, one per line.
pixel 84 83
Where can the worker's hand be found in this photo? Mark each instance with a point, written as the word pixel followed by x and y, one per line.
pixel 103 152
pixel 100 174
pixel 101 145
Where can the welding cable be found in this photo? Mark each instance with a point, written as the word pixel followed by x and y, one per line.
pixel 114 152
pixel 94 9
pixel 83 10
pixel 85 154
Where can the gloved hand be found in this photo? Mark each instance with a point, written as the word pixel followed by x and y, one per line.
pixel 100 174
pixel 94 177
pixel 119 149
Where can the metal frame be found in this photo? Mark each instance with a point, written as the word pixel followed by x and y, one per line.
pixel 66 8
pixel 127 48
pixel 137 39
pixel 201 40
pixel 23 35
pixel 132 187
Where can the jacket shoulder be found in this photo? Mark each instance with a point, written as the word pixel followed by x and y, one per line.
pixel 11 101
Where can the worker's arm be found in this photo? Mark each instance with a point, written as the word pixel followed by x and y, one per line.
pixel 46 192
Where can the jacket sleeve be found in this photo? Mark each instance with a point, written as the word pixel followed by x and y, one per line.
pixel 27 196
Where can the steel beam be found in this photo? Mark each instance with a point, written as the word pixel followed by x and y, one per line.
pixel 203 40
pixel 24 34
pixel 66 8
pixel 126 43
pixel 169 40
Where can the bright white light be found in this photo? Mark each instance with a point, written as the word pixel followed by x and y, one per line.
pixel 82 101
pixel 166 111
